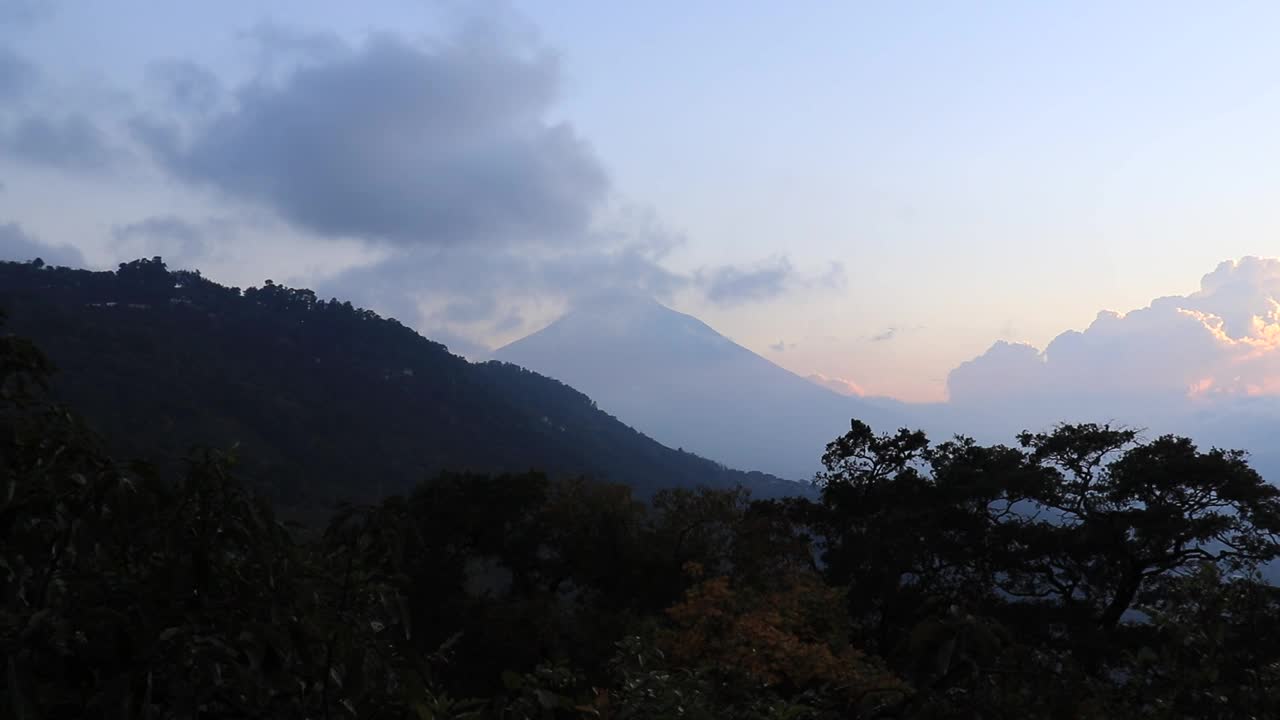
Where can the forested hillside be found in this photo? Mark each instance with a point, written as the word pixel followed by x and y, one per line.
pixel 321 399
pixel 1079 574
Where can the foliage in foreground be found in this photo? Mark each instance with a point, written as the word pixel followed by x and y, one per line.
pixel 1084 573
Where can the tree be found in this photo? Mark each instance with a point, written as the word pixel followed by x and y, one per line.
pixel 1050 549
pixel 145 281
pixel 1207 650
pixel 1108 516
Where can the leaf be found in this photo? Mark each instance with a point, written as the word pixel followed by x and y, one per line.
pixel 547 699
pixel 512 680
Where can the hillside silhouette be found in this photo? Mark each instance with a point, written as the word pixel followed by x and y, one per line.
pixel 322 400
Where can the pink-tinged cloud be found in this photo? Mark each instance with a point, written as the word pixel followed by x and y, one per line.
pixel 1221 341
pixel 837 384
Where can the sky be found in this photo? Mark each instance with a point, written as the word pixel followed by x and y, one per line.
pixel 887 194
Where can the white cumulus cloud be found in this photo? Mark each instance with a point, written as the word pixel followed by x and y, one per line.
pixel 1220 341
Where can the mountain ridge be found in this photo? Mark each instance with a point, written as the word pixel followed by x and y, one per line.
pixel 325 400
pixel 682 382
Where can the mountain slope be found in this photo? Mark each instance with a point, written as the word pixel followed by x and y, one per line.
pixel 686 385
pixel 324 400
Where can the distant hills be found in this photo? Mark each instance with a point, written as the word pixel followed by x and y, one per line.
pixel 678 380
pixel 323 400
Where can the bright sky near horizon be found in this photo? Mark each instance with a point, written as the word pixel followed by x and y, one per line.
pixel 872 191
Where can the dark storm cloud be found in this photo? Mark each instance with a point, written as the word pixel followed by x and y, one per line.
pixel 16 74
pixel 69 142
pixel 442 146
pixel 18 245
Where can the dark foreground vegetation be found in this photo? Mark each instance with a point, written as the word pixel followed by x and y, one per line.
pixel 1082 573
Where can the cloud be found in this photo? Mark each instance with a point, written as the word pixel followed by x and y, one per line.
pixel 835 277
pixel 277 47
pixel 438 164
pixel 460 345
pixel 481 295
pixel 168 236
pixel 444 156
pixel 185 85
pixel 1005 369
pixel 837 384
pixel 732 285
pixel 69 142
pixel 17 245
pixel 474 291
pixel 69 126
pixel 16 75
pixel 893 331
pixel 469 310
pixel 20 13
pixel 1219 342
pixel 444 145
